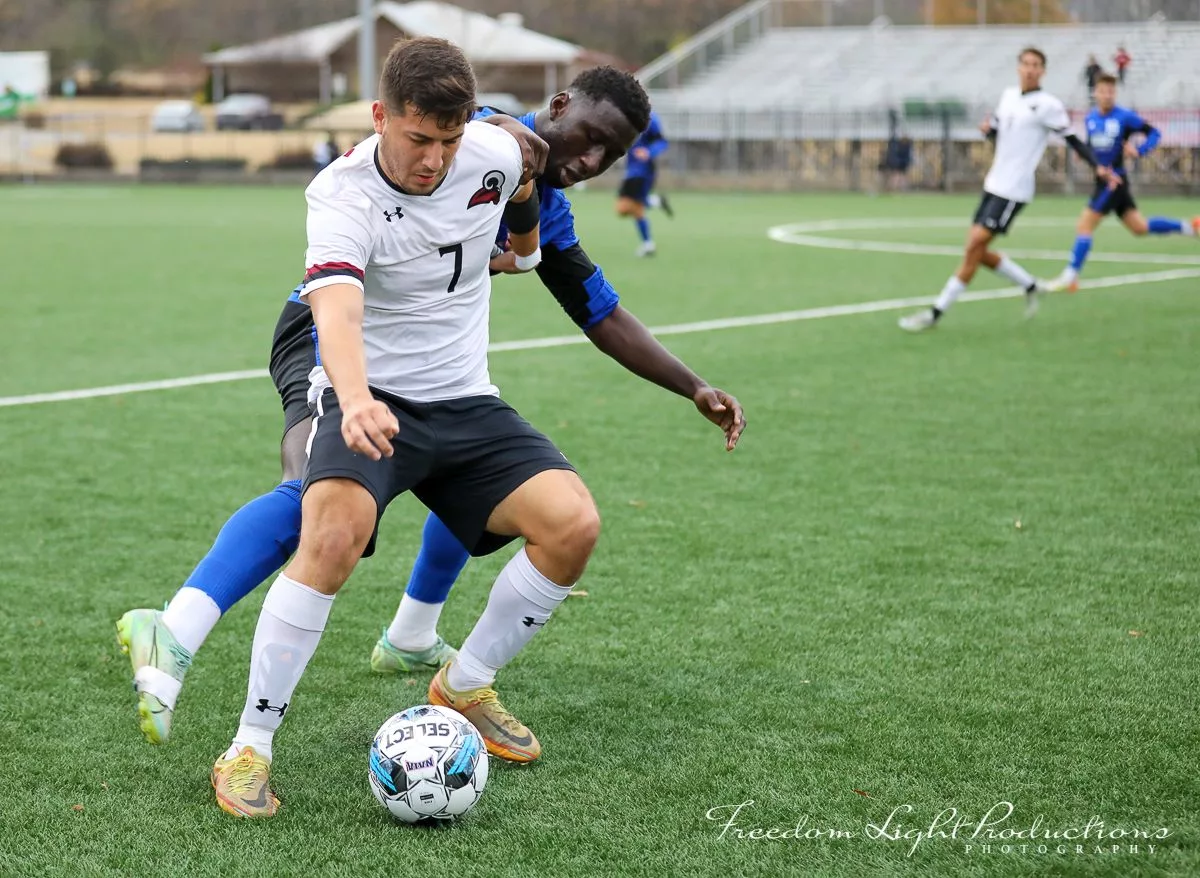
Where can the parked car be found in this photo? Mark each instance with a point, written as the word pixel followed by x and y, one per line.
pixel 176 116
pixel 247 112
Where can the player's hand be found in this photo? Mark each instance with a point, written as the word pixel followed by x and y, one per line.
pixel 641 154
pixel 368 426
pixel 1131 151
pixel 986 127
pixel 505 263
pixel 534 150
pixel 1108 176
pixel 724 411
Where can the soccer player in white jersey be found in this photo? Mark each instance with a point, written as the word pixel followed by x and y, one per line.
pixel 1020 127
pixel 400 235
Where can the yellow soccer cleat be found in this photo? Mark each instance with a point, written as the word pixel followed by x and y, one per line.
pixel 242 785
pixel 506 736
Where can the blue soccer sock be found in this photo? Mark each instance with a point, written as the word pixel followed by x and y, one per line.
pixel 643 227
pixel 255 541
pixel 1079 253
pixel 441 559
pixel 439 562
pixel 253 544
pixel 1160 225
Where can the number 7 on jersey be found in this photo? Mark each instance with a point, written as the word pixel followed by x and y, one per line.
pixel 456 249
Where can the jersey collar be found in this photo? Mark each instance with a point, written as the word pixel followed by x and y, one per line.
pixel 397 188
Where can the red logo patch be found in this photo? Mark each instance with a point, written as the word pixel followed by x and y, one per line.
pixel 489 192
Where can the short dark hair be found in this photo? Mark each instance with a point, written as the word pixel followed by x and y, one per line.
pixel 433 76
pixel 1106 79
pixel 1030 50
pixel 620 89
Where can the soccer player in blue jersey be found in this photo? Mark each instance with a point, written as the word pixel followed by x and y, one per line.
pixel 588 127
pixel 636 193
pixel 1110 132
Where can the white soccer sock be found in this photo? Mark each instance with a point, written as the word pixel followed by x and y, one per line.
pixel 521 601
pixel 1070 274
pixel 1015 273
pixel 190 616
pixel 289 629
pixel 415 625
pixel 949 294
pixel 1187 228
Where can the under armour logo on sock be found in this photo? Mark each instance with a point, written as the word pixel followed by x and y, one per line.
pixel 528 622
pixel 263 706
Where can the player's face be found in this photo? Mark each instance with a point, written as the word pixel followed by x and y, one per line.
pixel 1106 96
pixel 585 138
pixel 1030 69
pixel 414 151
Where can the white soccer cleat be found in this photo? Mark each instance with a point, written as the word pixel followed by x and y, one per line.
pixel 1032 301
pixel 1064 283
pixel 647 248
pixel 918 322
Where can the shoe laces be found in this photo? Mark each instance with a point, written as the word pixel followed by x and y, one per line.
pixel 242 777
pixel 501 714
pixel 183 658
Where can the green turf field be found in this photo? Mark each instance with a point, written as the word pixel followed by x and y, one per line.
pixel 943 571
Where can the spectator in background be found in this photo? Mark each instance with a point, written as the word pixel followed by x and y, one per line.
pixel 324 152
pixel 896 162
pixel 1090 74
pixel 1121 59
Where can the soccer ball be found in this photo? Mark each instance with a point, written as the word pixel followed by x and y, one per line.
pixel 428 764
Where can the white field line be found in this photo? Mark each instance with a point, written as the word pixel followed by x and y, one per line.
pixel 669 329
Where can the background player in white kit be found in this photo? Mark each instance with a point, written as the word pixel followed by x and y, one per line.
pixel 400 234
pixel 1023 122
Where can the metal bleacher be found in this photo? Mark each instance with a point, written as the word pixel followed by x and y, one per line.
pixel 841 69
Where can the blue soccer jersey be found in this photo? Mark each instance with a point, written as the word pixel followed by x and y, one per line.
pixel 654 142
pixel 565 270
pixel 1107 134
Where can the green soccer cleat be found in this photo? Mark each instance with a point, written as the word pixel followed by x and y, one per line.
pixel 387 659
pixel 159 663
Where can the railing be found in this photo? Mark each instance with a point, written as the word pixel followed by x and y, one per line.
pixel 793 149
pixel 726 36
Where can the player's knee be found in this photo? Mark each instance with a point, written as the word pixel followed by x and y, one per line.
pixel 571 532
pixel 337 542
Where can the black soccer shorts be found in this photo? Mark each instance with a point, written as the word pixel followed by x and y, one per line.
pixel 460 457
pixel 996 214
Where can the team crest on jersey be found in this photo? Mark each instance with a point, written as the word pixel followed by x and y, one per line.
pixel 489 192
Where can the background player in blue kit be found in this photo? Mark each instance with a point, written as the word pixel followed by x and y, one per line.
pixel 1109 132
pixel 635 194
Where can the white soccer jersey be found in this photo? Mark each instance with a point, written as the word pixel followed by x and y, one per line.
pixel 1023 123
pixel 421 261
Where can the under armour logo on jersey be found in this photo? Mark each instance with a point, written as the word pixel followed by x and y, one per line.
pixel 530 622
pixel 489 192
pixel 263 706
pixel 398 214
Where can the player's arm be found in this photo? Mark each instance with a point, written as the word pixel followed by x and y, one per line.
pixel 1084 151
pixel 589 300
pixel 1153 136
pixel 339 247
pixel 1055 118
pixel 534 150
pixel 522 218
pixel 656 141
